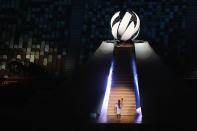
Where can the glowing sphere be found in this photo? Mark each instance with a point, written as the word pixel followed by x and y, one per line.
pixel 125 26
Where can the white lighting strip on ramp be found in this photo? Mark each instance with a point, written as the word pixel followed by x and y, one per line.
pixel 103 114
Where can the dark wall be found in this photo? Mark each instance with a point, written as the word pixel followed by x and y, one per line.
pixel 42 20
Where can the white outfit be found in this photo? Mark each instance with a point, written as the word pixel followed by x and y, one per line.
pixel 118 110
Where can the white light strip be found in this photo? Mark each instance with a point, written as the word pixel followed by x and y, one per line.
pixel 103 114
pixel 138 105
pixel 139 113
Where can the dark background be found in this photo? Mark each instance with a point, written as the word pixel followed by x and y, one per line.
pixel 80 26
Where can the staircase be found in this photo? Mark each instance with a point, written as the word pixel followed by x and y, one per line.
pixel 69 65
pixel 129 105
pixel 122 83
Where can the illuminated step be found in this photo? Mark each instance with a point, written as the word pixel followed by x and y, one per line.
pixel 122 113
pixel 112 110
pixel 125 103
pixel 122 90
pixel 122 94
pixel 117 98
pixel 123 109
pixel 127 113
pixel 113 103
pixel 121 87
pixel 128 108
pixel 117 92
pixel 125 97
pixel 112 107
pixel 126 100
pixel 123 119
pixel 125 90
pixel 124 106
